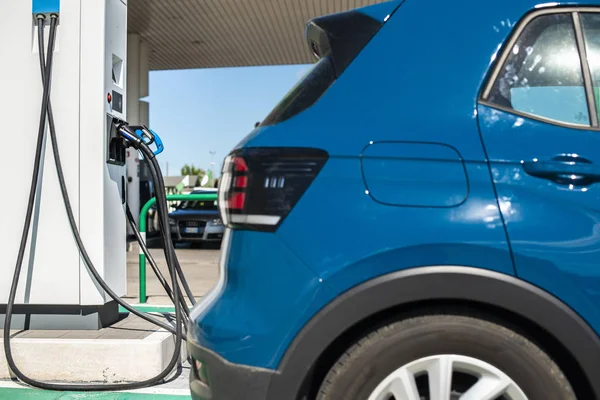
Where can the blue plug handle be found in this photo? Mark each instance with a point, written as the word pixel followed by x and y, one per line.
pixel 158 141
pixel 149 137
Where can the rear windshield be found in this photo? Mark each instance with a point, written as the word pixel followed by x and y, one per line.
pixel 305 93
pixel 198 205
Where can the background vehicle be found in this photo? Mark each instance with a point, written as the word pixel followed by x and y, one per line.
pixel 196 221
pixel 451 153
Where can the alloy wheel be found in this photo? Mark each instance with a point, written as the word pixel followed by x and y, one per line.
pixel 447 377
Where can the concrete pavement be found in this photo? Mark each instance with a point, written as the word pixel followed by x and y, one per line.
pixel 200 267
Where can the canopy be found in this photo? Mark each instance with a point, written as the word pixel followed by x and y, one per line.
pixel 186 34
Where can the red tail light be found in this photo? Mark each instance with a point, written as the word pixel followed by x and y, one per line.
pixel 260 186
pixel 240 182
pixel 236 201
pixel 240 164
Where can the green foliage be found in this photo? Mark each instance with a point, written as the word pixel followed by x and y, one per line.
pixel 192 170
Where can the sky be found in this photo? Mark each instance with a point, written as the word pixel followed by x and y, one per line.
pixel 203 110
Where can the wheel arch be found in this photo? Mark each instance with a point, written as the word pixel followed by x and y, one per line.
pixel 527 308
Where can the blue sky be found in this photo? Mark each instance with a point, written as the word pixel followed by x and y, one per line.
pixel 196 111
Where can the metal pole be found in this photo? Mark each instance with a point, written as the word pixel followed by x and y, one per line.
pixel 144 216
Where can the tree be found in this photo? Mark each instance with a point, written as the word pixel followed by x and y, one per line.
pixel 193 171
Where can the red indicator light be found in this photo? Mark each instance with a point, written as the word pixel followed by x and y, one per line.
pixel 109 97
pixel 236 201
pixel 240 164
pixel 240 182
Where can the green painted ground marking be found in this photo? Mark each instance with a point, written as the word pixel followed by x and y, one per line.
pixel 150 308
pixel 35 394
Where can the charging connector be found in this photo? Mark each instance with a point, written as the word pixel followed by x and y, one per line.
pixel 137 135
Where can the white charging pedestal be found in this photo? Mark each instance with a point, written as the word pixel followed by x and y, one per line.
pixel 56 291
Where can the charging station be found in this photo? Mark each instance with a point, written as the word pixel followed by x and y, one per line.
pixel 88 98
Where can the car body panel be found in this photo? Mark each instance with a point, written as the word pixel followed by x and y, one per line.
pixel 390 238
pixel 269 318
pixel 477 239
pixel 414 174
pixel 553 228
pixel 370 238
pixel 344 231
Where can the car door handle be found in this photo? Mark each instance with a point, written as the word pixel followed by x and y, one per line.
pixel 564 169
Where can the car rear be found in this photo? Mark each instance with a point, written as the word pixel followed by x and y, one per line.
pixel 266 291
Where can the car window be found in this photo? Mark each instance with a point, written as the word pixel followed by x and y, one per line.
pixel 305 92
pixel 199 205
pixel 591 33
pixel 542 75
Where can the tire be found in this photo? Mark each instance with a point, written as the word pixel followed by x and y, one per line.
pixel 363 367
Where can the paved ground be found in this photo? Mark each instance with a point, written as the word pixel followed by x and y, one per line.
pixel 199 265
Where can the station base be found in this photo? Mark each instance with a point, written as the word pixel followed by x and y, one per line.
pixel 61 317
pixel 131 350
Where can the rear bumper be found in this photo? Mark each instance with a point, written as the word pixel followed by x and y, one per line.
pixel 219 379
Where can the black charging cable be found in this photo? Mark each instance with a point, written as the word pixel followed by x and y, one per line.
pixel 46 69
pixel 153 263
pixel 136 142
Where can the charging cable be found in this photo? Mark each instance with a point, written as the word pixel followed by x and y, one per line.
pixel 174 292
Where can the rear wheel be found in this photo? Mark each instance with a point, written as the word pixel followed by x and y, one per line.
pixel 445 357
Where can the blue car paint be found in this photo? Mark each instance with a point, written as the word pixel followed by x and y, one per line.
pixel 248 304
pixel 395 176
pixel 554 229
pixel 421 89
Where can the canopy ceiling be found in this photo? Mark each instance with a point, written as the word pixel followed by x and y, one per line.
pixel 185 34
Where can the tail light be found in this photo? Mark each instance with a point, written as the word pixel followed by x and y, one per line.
pixel 260 186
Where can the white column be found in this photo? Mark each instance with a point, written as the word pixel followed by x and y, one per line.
pixel 137 112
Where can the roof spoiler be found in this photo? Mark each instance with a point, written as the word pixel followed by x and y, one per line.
pixel 342 36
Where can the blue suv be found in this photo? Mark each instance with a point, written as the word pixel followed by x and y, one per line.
pixel 419 217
